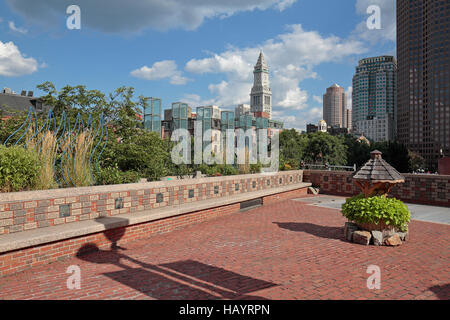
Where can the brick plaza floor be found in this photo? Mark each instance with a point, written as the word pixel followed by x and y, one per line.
pixel 287 250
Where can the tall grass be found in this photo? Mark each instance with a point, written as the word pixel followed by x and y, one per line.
pixel 44 145
pixel 75 164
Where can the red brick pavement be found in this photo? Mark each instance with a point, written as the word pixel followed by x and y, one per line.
pixel 287 250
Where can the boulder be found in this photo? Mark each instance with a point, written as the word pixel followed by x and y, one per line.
pixel 387 233
pixel 377 237
pixel 349 228
pixel 404 236
pixel 362 237
pixel 393 241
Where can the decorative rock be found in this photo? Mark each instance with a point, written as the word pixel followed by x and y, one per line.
pixel 377 238
pixel 387 233
pixel 404 236
pixel 349 228
pixel 393 241
pixel 362 237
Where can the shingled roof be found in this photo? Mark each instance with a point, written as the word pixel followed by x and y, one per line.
pixel 378 170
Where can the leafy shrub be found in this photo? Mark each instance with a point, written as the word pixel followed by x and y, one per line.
pixel 144 152
pixel 228 170
pixel 255 168
pixel 112 175
pixel 19 169
pixel 377 209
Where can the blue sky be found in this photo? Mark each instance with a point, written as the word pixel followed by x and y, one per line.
pixel 201 51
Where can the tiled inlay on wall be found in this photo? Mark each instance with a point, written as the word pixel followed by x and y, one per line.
pixel 216 189
pixel 159 198
pixel 191 193
pixel 64 210
pixel 236 187
pixel 118 203
pixel 254 184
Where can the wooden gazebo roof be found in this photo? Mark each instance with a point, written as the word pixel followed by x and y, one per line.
pixel 377 170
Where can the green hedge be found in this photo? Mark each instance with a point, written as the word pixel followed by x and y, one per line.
pixel 19 169
pixel 375 209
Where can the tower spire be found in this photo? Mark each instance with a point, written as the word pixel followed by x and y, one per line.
pixel 261 61
pixel 261 94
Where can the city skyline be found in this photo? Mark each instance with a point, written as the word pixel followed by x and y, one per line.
pixel 188 62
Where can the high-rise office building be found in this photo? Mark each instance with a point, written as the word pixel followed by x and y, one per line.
pixel 211 127
pixel 242 109
pixel 348 119
pixel 334 106
pixel 423 77
pixel 374 101
pixel 261 94
pixel 152 115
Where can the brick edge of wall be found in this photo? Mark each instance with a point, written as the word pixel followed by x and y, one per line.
pixel 20 260
pixel 339 183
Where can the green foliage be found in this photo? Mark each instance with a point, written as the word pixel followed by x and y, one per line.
pixel 19 169
pixel 144 152
pixel 377 209
pixel 7 127
pixel 358 152
pixel 394 153
pixel 416 161
pixel 228 170
pixel 255 168
pixel 292 144
pixel 112 175
pixel 324 148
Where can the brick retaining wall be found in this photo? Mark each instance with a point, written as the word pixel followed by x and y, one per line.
pixel 22 211
pixel 420 189
pixel 19 260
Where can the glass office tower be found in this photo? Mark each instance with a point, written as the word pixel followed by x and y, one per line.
pixel 152 115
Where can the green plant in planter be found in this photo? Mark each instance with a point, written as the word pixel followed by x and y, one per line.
pixel 19 169
pixel 391 211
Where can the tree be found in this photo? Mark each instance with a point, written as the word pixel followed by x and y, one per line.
pixel 324 148
pixel 145 153
pixel 395 153
pixel 358 151
pixel 292 146
pixel 416 161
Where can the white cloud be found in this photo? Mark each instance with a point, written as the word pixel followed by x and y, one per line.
pixel 13 63
pixel 113 16
pixel 318 99
pixel 299 119
pixel 195 100
pixel 166 69
pixel 291 56
pixel 283 4
pixel 388 29
pixel 13 27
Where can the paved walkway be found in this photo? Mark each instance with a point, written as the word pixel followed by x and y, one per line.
pixel 288 250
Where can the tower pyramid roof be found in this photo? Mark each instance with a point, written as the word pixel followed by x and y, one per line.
pixel 261 60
